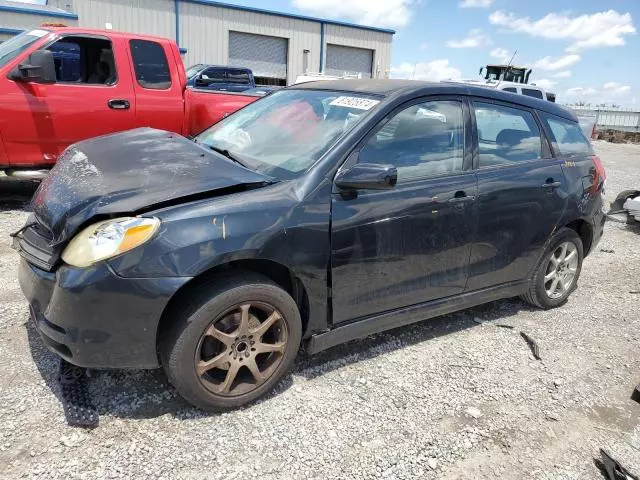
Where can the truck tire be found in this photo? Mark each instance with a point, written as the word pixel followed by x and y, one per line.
pixel 557 273
pixel 231 341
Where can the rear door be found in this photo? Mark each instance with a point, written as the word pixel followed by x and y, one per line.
pixel 92 96
pixel 410 244
pixel 157 86
pixel 522 193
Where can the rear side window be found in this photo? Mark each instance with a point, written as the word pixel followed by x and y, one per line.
pixel 506 135
pixel 213 75
pixel 239 76
pixel 150 64
pixel 568 136
pixel 510 89
pixel 530 92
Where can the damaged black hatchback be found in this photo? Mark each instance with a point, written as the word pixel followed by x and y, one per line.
pixel 317 215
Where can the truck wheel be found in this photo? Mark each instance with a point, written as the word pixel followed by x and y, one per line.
pixel 231 342
pixel 556 276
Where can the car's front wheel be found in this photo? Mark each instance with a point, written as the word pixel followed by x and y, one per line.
pixel 232 343
pixel 556 276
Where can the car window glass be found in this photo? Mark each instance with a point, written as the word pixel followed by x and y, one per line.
pixel 422 140
pixel 150 64
pixel 510 89
pixel 84 61
pixel 569 138
pixel 213 75
pixel 238 76
pixel 530 92
pixel 506 135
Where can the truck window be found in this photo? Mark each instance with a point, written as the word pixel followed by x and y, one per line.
pixel 510 89
pixel 213 75
pixel 530 92
pixel 238 76
pixel 84 60
pixel 150 64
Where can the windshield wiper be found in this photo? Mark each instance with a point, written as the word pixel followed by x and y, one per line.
pixel 229 155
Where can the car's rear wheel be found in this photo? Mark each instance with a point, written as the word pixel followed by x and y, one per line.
pixel 232 343
pixel 556 276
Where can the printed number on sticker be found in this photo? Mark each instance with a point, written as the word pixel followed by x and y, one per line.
pixel 355 102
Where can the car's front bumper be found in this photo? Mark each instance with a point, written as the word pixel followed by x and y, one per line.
pixel 95 318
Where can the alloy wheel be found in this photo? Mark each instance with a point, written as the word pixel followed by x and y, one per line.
pixel 241 349
pixel 561 270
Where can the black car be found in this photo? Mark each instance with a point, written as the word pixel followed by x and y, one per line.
pixel 319 214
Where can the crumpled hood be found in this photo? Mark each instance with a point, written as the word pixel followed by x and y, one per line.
pixel 128 172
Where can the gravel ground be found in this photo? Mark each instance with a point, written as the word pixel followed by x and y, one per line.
pixel 447 398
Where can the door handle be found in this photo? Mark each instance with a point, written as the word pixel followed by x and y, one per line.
pixel 461 197
pixel 119 104
pixel 551 184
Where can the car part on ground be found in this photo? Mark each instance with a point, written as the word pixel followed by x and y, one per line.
pixel 535 349
pixel 78 407
pixel 614 469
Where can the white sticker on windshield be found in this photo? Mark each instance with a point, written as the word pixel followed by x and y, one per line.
pixel 355 102
pixel 38 33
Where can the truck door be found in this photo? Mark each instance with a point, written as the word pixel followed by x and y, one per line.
pixel 159 93
pixel 92 96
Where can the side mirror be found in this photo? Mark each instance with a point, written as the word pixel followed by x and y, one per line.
pixel 39 68
pixel 367 176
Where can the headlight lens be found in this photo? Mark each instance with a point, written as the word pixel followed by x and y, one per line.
pixel 107 239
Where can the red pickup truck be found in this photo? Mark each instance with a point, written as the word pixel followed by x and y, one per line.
pixel 62 85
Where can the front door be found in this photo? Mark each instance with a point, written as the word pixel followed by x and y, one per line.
pixel 88 99
pixel 411 244
pixel 522 194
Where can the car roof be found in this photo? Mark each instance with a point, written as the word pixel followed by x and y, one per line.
pixel 397 88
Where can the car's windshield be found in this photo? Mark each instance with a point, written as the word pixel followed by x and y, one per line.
pixel 18 44
pixel 286 132
pixel 191 71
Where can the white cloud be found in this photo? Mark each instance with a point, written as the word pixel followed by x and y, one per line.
pixel 614 88
pixel 544 83
pixel 386 13
pixel 549 63
pixel 425 46
pixel 474 39
pixel 603 29
pixel 502 54
pixel 563 74
pixel 435 71
pixel 609 92
pixel 475 3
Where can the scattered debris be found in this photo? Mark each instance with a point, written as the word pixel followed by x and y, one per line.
pixel 78 409
pixel 502 325
pixel 465 366
pixel 433 463
pixel 532 344
pixel 636 394
pixel 473 412
pixel 607 250
pixel 634 292
pixel 614 470
pixel 479 321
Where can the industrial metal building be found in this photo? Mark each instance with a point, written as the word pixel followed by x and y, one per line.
pixel 276 46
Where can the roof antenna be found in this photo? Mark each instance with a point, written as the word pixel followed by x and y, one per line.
pixel 508 68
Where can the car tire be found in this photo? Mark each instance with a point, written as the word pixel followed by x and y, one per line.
pixel 211 328
pixel 556 276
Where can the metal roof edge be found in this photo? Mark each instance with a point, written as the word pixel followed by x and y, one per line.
pixel 11 31
pixel 38 11
pixel 213 3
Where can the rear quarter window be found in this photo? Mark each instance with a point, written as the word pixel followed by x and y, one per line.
pixel 150 64
pixel 530 92
pixel 568 136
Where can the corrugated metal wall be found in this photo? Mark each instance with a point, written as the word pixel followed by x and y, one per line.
pixel 372 40
pixel 204 32
pixel 153 17
pixel 24 21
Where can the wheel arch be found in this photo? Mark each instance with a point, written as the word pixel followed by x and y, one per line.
pixel 585 231
pixel 280 274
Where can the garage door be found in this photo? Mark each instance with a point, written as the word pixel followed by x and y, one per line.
pixel 349 61
pixel 266 56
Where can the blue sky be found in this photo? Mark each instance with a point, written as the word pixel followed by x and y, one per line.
pixel 581 49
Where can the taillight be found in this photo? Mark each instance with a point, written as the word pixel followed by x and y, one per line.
pixel 599 175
